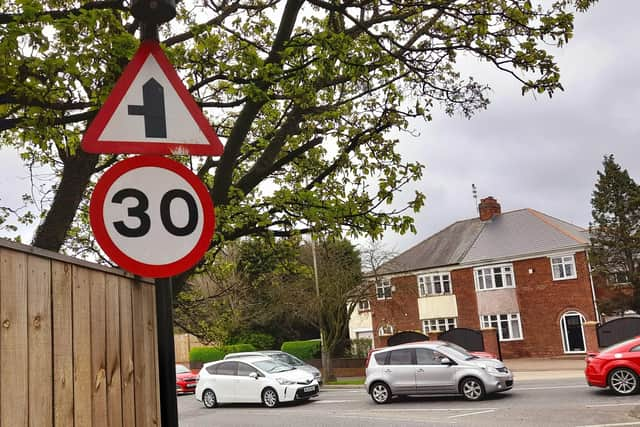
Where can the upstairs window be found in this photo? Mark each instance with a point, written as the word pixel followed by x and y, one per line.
pixel 438 325
pixel 434 284
pixel 496 277
pixel 363 305
pixel 383 289
pixel 563 267
pixel 385 330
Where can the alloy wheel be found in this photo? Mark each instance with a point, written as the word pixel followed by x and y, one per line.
pixel 270 398
pixel 380 393
pixel 623 381
pixel 209 399
pixel 472 389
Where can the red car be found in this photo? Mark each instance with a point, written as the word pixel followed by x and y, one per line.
pixel 185 380
pixel 616 367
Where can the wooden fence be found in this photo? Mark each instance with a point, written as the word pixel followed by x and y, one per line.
pixel 77 343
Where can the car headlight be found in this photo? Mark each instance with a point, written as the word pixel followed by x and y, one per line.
pixel 284 381
pixel 492 370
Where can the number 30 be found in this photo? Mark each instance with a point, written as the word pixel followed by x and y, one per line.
pixel 139 211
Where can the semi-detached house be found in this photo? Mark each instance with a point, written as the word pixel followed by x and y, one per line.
pixel 522 272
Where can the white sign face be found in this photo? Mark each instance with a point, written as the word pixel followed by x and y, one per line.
pixel 152 216
pixel 136 222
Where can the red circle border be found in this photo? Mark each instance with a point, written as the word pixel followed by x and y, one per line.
pixel 96 218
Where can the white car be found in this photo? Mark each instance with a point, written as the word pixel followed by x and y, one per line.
pixel 255 379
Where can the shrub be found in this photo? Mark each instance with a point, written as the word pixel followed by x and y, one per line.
pixel 259 340
pixel 211 354
pixel 304 350
pixel 359 348
pixel 205 354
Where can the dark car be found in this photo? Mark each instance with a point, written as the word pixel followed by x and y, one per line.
pixel 616 367
pixel 185 380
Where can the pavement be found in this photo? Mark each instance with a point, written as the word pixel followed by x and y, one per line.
pixel 525 369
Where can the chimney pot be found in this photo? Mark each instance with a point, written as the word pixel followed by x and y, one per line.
pixel 488 208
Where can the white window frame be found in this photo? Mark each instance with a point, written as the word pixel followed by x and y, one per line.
pixel 364 305
pixel 481 275
pixel 495 321
pixel 381 287
pixel 563 261
pixel 382 332
pixel 564 332
pixel 427 284
pixel 439 325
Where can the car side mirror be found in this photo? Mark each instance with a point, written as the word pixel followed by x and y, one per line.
pixel 253 375
pixel 446 361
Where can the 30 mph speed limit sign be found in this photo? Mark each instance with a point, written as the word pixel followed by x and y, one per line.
pixel 152 216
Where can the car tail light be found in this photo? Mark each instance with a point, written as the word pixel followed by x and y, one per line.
pixel 366 364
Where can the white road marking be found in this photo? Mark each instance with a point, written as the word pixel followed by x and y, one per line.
pixel 472 413
pixel 549 388
pixel 334 401
pixel 612 404
pixel 434 409
pixel 632 423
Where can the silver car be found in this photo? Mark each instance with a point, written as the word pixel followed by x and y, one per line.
pixel 434 367
pixel 284 357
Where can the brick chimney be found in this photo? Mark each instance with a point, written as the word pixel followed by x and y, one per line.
pixel 489 207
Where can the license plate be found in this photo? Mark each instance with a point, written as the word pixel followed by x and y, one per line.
pixel 308 389
pixel 191 385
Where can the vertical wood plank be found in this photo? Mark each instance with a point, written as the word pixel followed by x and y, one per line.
pixel 13 339
pixel 114 382
pixel 140 369
pixel 154 334
pixel 40 355
pixel 62 284
pixel 98 348
pixel 127 353
pixel 82 386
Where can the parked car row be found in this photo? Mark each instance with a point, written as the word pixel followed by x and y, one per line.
pixel 424 368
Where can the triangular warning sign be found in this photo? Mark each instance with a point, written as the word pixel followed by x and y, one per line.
pixel 149 111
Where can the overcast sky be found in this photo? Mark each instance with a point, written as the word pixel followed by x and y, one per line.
pixel 538 152
pixel 527 152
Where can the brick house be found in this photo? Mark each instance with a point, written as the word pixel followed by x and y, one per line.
pixel 522 272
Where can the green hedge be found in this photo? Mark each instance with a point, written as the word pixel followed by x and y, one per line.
pixel 211 354
pixel 304 350
pixel 257 339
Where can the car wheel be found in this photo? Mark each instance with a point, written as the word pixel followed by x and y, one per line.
pixel 623 381
pixel 472 389
pixel 270 398
pixel 209 399
pixel 380 393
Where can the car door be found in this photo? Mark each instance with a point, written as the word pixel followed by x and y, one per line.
pixel 247 388
pixel 431 375
pixel 400 371
pixel 224 381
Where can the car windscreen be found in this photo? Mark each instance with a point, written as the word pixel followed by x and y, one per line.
pixel 272 366
pixel 286 358
pixel 180 369
pixel 616 346
pixel 454 350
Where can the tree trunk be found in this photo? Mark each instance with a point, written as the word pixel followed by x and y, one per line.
pixel 77 171
pixel 327 368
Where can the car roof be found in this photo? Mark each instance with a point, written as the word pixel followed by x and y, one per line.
pixel 244 354
pixel 251 359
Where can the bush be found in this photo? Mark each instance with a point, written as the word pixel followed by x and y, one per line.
pixel 211 354
pixel 259 340
pixel 304 350
pixel 359 348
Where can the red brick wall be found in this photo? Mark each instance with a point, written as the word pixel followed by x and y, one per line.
pixel 465 292
pixel 401 310
pixel 542 303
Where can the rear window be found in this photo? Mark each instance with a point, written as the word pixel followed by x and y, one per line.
pixel 401 357
pixel 224 368
pixel 381 357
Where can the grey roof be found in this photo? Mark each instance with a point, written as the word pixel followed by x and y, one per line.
pixel 509 235
pixel 443 248
pixel 523 232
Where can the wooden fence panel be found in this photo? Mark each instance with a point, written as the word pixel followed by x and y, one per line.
pixel 40 377
pixel 126 353
pixel 61 292
pixel 114 381
pixel 14 407
pixel 77 343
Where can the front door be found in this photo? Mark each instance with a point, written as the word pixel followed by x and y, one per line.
pixel 573 333
pixel 431 375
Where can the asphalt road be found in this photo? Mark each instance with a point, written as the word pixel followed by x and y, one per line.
pixel 567 402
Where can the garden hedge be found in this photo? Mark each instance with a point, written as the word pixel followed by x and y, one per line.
pixel 304 350
pixel 211 354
